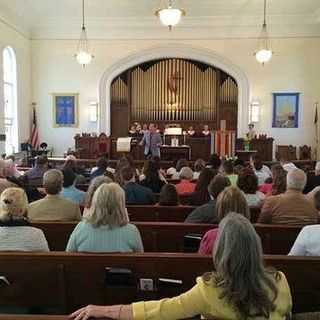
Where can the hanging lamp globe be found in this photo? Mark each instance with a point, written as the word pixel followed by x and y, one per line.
pixel 170 16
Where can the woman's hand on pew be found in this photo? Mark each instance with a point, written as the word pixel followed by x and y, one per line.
pixel 119 312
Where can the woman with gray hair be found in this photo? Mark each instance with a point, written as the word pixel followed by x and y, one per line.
pixel 106 228
pixel 239 288
pixel 16 233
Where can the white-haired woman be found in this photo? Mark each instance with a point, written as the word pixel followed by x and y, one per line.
pixel 16 233
pixel 239 288
pixel 106 228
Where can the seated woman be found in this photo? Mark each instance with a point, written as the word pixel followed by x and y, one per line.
pixel 16 233
pixel 151 177
pixel 308 240
pixel 106 228
pixel 185 186
pixel 94 185
pixel 201 195
pixel 240 287
pixel 248 183
pixel 168 196
pixel 229 200
pixel 199 165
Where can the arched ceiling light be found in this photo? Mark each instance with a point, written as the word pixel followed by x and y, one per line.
pixel 83 56
pixel 170 16
pixel 264 54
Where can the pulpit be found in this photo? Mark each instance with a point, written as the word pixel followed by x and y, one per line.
pixel 262 146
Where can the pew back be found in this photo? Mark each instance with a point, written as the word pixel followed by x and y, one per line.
pixel 85 276
pixel 169 236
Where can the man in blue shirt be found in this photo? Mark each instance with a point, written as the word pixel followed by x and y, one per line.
pixel 69 191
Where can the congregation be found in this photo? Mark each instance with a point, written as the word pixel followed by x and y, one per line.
pixel 222 192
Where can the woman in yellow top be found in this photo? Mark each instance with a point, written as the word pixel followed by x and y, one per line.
pixel 240 288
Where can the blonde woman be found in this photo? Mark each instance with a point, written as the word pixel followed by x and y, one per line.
pixel 239 288
pixel 106 228
pixel 16 234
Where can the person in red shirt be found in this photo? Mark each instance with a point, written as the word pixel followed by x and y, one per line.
pixel 185 186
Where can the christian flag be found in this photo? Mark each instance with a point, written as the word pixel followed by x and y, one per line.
pixel 34 139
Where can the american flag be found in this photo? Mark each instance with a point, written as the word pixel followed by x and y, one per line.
pixel 34 139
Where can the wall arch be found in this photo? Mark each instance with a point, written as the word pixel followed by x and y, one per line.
pixel 173 51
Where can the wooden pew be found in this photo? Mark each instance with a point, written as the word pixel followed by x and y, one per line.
pixel 169 236
pixel 170 213
pixel 159 213
pixel 85 276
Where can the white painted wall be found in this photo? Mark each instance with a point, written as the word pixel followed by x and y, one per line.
pixel 22 47
pixel 295 67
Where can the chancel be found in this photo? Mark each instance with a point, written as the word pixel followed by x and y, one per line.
pixel 160 159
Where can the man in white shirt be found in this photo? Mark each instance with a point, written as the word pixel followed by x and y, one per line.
pixel 261 171
pixel 288 165
pixel 308 240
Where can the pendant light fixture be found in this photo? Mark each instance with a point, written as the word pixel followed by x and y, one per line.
pixel 264 54
pixel 170 16
pixel 83 55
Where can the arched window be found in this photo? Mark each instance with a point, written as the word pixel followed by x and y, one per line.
pixel 10 100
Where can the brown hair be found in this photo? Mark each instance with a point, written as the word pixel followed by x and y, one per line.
pixel 279 180
pixel 217 185
pixel 231 199
pixel 168 196
pixel 247 181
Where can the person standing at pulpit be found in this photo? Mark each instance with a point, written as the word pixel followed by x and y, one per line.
pixel 251 134
pixel 132 132
pixel 152 142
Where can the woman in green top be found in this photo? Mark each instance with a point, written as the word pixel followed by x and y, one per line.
pixel 106 228
pixel 239 288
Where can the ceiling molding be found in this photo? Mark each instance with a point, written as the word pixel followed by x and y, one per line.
pixel 219 27
pixel 12 23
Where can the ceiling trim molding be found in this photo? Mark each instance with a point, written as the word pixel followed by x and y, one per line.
pixel 15 27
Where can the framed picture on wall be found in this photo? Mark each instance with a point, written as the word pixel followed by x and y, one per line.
pixel 65 109
pixel 285 110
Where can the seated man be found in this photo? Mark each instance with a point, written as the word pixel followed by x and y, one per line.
pixel 207 212
pixel 313 180
pixel 291 207
pixel 35 175
pixel 69 191
pixel 135 193
pixel 53 207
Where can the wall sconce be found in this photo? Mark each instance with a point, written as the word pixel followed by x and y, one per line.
pixel 254 111
pixel 93 111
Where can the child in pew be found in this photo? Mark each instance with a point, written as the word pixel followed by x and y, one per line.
pixel 106 228
pixel 239 288
pixel 16 233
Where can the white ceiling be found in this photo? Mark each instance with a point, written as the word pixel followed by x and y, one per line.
pixel 135 18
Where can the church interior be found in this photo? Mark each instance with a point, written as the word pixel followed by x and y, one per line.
pixel 160 159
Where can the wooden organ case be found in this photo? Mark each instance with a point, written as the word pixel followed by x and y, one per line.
pixel 166 91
